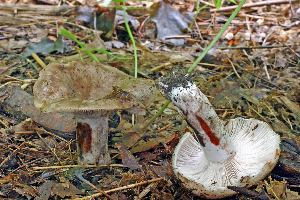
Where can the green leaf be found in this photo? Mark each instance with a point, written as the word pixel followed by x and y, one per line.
pixel 232 1
pixel 118 1
pixel 201 8
pixel 70 174
pixel 91 54
pixel 121 8
pixel 218 4
pixel 106 52
pixel 134 8
pixel 65 32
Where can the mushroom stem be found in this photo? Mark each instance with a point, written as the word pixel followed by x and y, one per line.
pixel 194 106
pixel 91 135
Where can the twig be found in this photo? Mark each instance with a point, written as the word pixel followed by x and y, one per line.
pixel 60 138
pixel 266 38
pixel 96 31
pixel 80 177
pixel 253 47
pixel 257 112
pixel 249 5
pixel 26 164
pixel 37 132
pixel 256 17
pixel 265 63
pixel 12 154
pixel 6 146
pixel 250 32
pixel 165 127
pixel 120 188
pixel 254 85
pixel 269 82
pixel 25 132
pixel 49 133
pixel 13 65
pixel 142 25
pixel 160 66
pixel 8 157
pixel 296 23
pixel 38 60
pixel 290 49
pixel 71 166
pixel 234 68
pixel 206 3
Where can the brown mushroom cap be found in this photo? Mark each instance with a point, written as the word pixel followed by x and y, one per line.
pixel 87 86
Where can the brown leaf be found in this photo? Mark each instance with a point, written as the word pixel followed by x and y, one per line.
pixel 28 189
pixel 160 170
pixel 127 158
pixel 169 22
pixel 45 190
pixel 63 190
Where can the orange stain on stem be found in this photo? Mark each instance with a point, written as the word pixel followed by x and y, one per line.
pixel 213 139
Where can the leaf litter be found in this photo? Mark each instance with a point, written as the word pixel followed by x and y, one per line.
pixel 252 72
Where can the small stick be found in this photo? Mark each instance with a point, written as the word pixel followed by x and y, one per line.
pixel 160 66
pixel 121 188
pixel 265 62
pixel 71 166
pixel 249 5
pixel 178 36
pixel 141 26
pixel 8 157
pixel 256 17
pixel 253 47
pixel 165 127
pixel 52 134
pixel 206 3
pixel 250 32
pixel 257 112
pixel 17 151
pixel 38 60
pixel 80 177
pixel 37 132
pixel 290 48
pixel 25 132
pixel 233 66
pixel 26 164
pixel 266 38
pixel 12 154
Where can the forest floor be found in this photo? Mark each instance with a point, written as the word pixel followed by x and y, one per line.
pixel 253 71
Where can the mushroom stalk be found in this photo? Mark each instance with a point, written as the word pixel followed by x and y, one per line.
pixel 91 135
pixel 194 106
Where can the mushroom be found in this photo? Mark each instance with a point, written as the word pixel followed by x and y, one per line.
pixel 91 91
pixel 239 154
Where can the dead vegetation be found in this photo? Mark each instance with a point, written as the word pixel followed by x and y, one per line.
pixel 252 72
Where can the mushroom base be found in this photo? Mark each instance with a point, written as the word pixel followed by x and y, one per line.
pixel 92 134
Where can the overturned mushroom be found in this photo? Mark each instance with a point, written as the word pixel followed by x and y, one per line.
pixel 90 91
pixel 238 154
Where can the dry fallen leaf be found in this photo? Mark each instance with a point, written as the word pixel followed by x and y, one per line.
pixel 169 22
pixel 127 158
